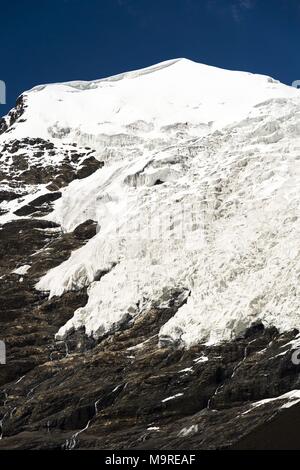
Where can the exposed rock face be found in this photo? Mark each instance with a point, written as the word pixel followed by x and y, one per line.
pixel 41 203
pixel 40 168
pixel 37 161
pixel 128 393
pixel 15 114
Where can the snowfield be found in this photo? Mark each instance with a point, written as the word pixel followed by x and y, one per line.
pixel 200 194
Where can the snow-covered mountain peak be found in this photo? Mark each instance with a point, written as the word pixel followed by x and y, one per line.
pixel 199 194
pixel 144 102
pixel 87 85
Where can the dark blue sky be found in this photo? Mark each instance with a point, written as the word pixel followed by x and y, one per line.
pixel 43 41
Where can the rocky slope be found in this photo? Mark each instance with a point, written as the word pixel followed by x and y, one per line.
pixel 149 263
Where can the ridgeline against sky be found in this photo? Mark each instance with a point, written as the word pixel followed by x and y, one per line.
pixel 59 40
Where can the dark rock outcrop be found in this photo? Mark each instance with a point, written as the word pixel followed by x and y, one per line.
pixel 127 393
pixel 41 204
pixel 28 164
pixel 8 121
pixel 28 319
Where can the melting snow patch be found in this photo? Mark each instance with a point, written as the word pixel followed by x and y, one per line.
pixel 293 395
pixel 201 359
pixel 188 369
pixel 172 398
pixel 22 269
pixel 291 403
pixel 188 431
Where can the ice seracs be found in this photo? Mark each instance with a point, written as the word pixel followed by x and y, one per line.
pixel 199 195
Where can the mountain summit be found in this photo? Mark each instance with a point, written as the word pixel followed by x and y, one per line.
pixel 150 222
pixel 175 91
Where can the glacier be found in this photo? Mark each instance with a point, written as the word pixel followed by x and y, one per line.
pixel 199 194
